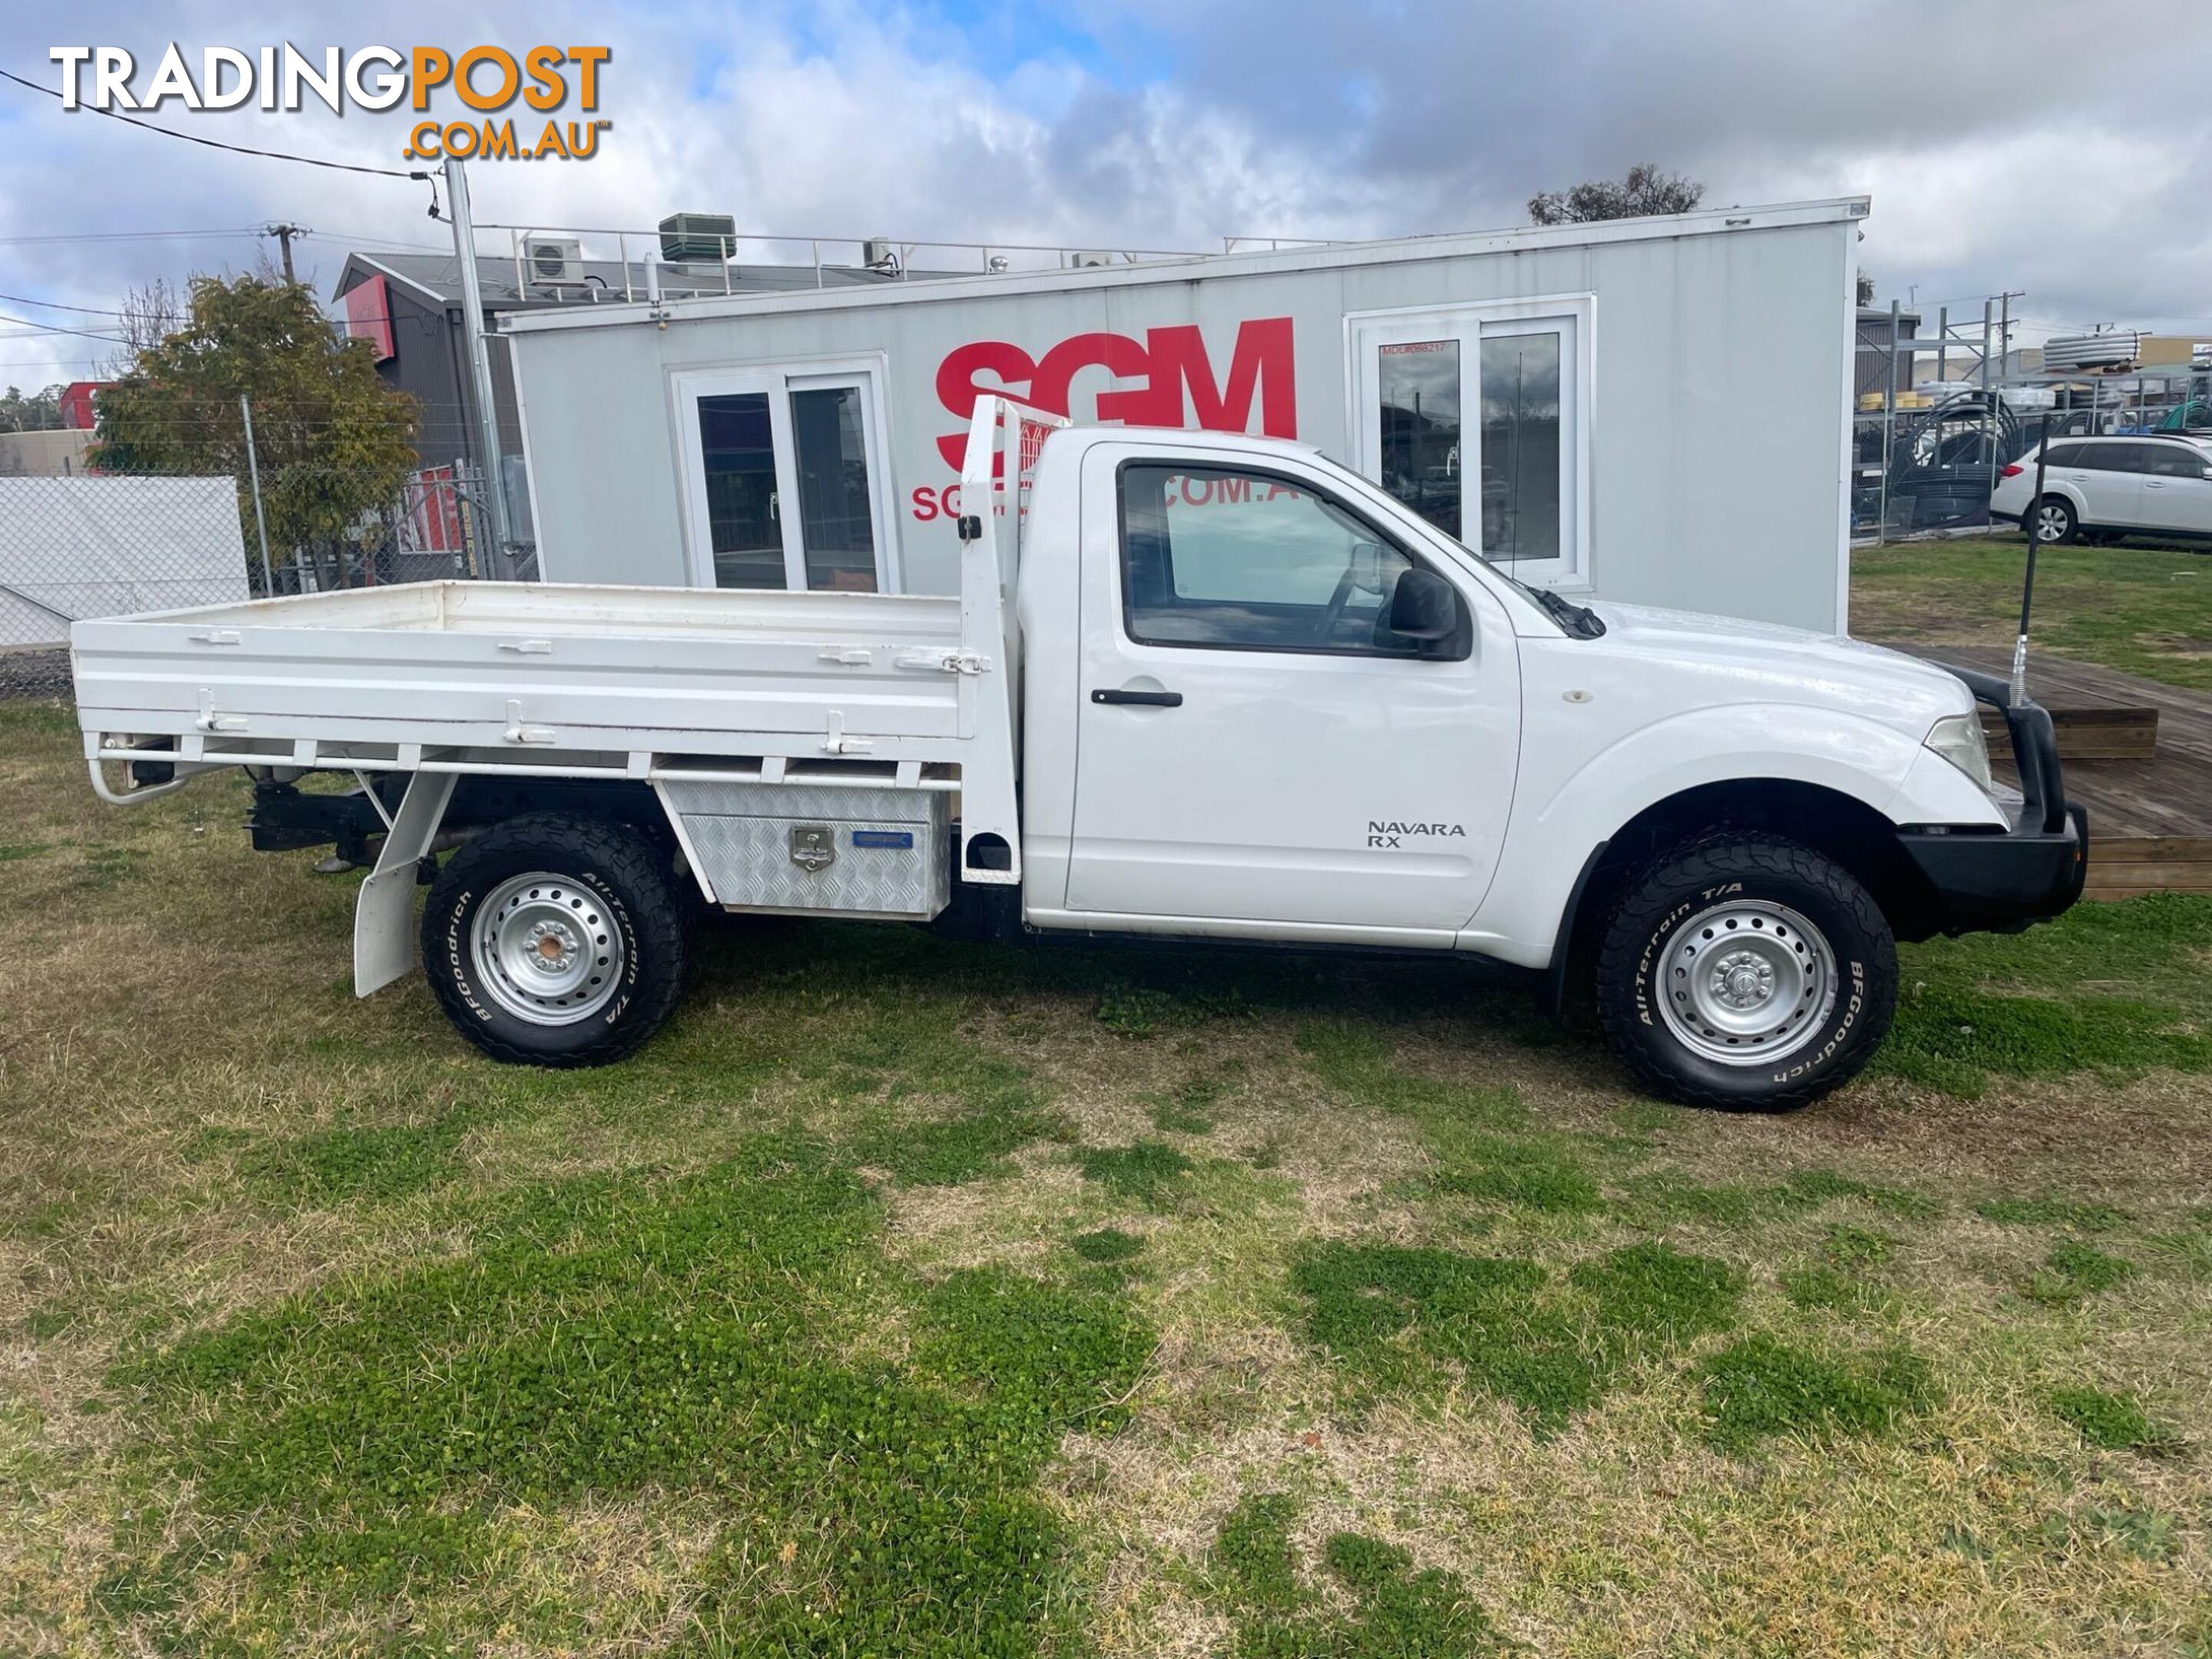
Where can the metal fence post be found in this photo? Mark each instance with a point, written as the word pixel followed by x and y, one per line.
pixel 1990 405
pixel 260 525
pixel 1888 426
pixel 472 336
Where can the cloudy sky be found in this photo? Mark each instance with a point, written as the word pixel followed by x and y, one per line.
pixel 2059 147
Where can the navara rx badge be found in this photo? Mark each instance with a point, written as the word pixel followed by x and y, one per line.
pixel 812 847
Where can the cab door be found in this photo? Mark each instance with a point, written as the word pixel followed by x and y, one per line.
pixel 1255 745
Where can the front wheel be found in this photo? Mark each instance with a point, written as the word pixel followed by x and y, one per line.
pixel 1746 972
pixel 555 941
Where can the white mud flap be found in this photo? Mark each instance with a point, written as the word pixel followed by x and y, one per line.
pixel 383 915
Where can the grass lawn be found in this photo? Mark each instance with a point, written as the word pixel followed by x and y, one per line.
pixel 2138 608
pixel 907 1298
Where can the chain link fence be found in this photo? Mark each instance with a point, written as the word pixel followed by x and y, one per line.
pixel 89 541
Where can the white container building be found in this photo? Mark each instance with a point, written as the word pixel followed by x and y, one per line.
pixel 1650 410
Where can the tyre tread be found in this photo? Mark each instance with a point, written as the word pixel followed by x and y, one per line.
pixel 1704 861
pixel 656 915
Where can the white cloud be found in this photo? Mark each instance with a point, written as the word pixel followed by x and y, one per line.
pixel 2007 144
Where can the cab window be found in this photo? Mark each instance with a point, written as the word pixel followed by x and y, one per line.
pixel 1220 557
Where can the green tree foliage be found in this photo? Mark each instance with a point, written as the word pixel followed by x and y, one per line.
pixel 30 411
pixel 333 442
pixel 1646 190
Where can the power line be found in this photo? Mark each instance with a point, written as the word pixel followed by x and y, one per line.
pixel 102 311
pixel 217 143
pixel 253 231
pixel 56 305
pixel 56 328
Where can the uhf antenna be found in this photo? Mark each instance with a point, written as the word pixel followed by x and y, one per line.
pixel 2033 519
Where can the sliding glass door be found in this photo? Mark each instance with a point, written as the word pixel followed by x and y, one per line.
pixel 785 477
pixel 1473 416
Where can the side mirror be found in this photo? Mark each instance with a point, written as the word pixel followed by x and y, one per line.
pixel 1424 606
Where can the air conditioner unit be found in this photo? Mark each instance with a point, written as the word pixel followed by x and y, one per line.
pixel 877 253
pixel 1089 261
pixel 698 239
pixel 554 261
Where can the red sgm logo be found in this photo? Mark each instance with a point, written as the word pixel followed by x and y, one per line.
pixel 1180 386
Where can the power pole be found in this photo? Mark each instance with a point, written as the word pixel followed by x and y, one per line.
pixel 284 234
pixel 2004 340
pixel 472 335
pixel 1989 400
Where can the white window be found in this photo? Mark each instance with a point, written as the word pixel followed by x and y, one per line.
pixel 785 477
pixel 1476 417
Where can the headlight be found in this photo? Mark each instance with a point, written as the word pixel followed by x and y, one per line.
pixel 1958 738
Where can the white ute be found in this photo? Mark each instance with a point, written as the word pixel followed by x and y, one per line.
pixel 1193 685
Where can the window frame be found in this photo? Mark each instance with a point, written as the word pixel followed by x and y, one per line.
pixel 778 379
pixel 1574 317
pixel 1458 648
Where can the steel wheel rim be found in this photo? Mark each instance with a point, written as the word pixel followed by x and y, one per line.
pixel 546 949
pixel 1745 983
pixel 2050 522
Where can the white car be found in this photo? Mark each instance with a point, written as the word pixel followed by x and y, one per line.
pixel 2099 488
pixel 1206 686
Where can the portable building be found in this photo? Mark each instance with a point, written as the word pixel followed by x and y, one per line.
pixel 1653 410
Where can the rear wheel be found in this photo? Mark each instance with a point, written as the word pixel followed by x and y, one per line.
pixel 1746 972
pixel 555 941
pixel 2054 521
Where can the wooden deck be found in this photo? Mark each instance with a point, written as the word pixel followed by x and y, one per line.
pixel 2150 820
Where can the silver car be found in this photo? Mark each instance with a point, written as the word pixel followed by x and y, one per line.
pixel 2101 488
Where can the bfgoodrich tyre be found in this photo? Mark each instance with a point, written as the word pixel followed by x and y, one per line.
pixel 555 941
pixel 1746 972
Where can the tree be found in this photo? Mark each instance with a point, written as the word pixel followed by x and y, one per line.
pixel 1866 289
pixel 334 443
pixel 1646 190
pixel 151 315
pixel 30 411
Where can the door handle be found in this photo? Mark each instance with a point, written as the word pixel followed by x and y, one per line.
pixel 1141 699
